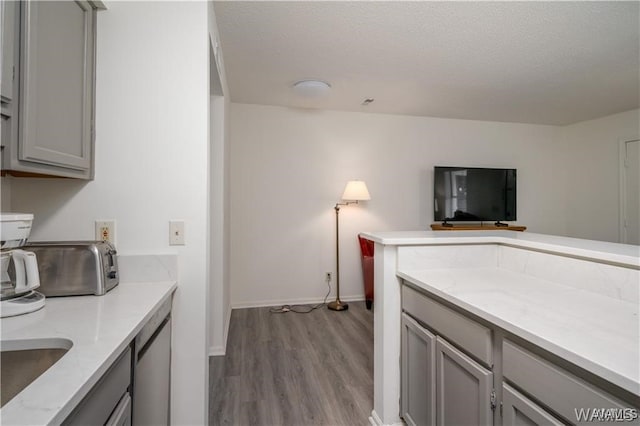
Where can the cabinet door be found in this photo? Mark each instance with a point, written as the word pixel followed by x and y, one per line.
pixel 8 19
pixel 152 382
pixel 56 85
pixel 418 364
pixel 463 388
pixel 518 410
pixel 121 416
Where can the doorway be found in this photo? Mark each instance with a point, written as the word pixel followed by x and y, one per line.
pixel 630 191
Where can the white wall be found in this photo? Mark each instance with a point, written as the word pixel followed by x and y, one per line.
pixel 219 231
pixel 220 311
pixel 5 194
pixel 592 174
pixel 289 168
pixel 151 167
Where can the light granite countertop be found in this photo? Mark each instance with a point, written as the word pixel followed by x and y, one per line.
pixel 100 328
pixel 622 254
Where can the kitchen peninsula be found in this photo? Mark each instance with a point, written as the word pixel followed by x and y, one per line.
pixel 543 327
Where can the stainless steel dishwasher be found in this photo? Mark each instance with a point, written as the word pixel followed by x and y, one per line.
pixel 152 370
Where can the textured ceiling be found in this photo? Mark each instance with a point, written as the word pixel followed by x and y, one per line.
pixel 530 62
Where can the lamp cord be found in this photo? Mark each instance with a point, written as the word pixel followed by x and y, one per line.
pixel 292 308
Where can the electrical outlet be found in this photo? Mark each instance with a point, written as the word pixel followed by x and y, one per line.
pixel 106 231
pixel 176 233
pixel 327 277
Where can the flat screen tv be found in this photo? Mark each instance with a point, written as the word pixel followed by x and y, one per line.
pixel 472 194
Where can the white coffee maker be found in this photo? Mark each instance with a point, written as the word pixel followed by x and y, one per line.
pixel 19 268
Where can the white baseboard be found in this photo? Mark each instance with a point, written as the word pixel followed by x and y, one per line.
pixel 226 326
pixel 280 302
pixel 375 420
pixel 216 351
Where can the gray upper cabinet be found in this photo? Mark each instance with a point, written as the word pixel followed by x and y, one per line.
pixel 9 16
pixel 57 84
pixel 55 81
pixel 8 13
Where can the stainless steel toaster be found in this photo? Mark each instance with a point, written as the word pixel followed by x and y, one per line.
pixel 74 268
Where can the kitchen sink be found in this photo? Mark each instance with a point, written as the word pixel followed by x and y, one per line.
pixel 23 361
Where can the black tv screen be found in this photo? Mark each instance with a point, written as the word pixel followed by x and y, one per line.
pixel 474 194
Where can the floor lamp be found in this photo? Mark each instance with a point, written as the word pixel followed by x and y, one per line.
pixel 356 190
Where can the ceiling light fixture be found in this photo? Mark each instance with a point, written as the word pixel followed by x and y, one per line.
pixel 311 88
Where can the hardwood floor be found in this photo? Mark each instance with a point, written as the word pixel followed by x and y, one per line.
pixel 294 369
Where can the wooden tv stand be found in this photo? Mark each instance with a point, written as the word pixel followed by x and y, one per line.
pixel 469 227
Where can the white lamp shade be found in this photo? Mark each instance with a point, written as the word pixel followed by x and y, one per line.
pixel 356 190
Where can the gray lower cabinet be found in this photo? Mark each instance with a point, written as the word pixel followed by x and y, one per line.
pixel 51 118
pixel 518 410
pixel 418 393
pixel 440 384
pixel 451 381
pixel 464 388
pixel 152 371
pixel 152 380
pixel 135 390
pixel 557 390
pixel 108 402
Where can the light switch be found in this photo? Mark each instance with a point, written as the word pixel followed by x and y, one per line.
pixel 176 233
